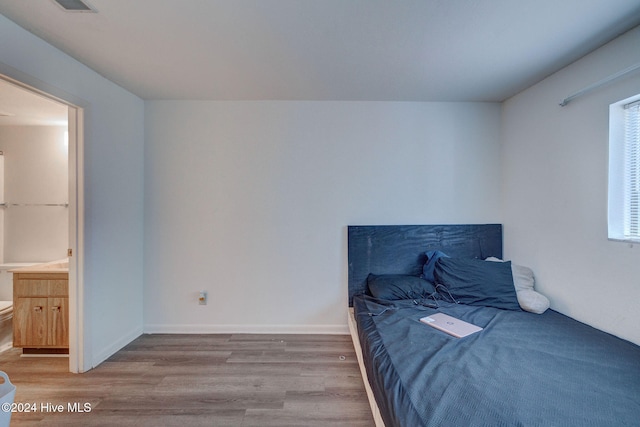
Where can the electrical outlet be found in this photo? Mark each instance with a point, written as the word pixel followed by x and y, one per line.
pixel 202 299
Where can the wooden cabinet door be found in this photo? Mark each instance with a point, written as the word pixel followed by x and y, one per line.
pixel 40 310
pixel 58 322
pixel 30 322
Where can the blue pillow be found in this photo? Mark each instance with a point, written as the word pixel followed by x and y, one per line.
pixel 398 286
pixel 477 282
pixel 430 265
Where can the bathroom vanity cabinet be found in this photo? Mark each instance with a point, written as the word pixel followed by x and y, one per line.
pixel 40 309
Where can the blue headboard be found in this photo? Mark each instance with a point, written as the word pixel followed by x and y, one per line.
pixel 400 249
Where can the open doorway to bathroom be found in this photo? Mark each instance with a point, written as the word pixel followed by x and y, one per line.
pixel 41 193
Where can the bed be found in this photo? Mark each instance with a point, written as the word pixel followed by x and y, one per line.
pixel 522 369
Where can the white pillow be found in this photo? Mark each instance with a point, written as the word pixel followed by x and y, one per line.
pixel 528 298
pixel 523 281
pixel 532 301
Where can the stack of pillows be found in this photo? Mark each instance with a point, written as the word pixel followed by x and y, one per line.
pixel 491 282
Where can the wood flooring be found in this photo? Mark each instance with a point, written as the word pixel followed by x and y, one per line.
pixel 199 380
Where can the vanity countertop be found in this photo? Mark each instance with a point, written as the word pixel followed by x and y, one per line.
pixel 59 266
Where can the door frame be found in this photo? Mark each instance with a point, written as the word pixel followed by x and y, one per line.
pixel 79 352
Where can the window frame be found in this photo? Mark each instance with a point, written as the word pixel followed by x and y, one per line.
pixel 619 173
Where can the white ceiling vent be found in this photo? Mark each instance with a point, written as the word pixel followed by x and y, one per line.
pixel 74 6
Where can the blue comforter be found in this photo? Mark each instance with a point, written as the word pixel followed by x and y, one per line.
pixel 523 369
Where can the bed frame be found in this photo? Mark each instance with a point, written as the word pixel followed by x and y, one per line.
pixel 400 249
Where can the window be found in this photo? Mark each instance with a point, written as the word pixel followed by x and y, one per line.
pixel 624 170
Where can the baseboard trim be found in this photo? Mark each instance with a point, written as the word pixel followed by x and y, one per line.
pixel 246 329
pixel 110 350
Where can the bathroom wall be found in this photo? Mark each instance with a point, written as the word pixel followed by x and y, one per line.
pixel 35 172
pixel 112 276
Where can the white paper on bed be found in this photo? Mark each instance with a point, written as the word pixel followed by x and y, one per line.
pixel 452 326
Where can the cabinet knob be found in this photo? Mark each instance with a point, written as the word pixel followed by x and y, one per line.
pixel 55 308
pixel 37 308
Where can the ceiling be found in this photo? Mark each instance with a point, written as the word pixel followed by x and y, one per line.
pixel 20 107
pixel 369 50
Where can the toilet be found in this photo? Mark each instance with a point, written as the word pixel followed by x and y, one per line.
pixel 6 325
pixel 6 303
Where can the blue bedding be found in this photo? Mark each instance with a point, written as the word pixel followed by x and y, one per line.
pixel 523 369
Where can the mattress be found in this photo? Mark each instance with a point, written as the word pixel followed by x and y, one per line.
pixel 521 369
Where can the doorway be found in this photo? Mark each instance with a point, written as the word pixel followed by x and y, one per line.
pixel 74 136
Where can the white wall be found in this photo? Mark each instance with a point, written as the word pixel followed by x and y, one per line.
pixel 114 141
pixel 555 163
pixel 250 201
pixel 36 172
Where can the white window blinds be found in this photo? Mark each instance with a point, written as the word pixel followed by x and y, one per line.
pixel 632 170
